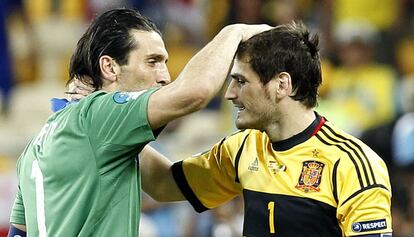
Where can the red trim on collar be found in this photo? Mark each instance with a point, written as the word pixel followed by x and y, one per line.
pixel 321 123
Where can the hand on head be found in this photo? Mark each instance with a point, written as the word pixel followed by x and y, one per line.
pixel 249 31
pixel 78 90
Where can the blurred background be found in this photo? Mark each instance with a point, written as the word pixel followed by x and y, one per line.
pixel 367 49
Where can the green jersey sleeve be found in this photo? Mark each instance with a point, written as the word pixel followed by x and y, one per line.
pixel 119 119
pixel 17 214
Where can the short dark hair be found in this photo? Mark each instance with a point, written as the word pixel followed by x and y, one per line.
pixel 109 34
pixel 286 48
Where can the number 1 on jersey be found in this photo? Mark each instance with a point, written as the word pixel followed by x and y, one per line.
pixel 271 208
pixel 40 198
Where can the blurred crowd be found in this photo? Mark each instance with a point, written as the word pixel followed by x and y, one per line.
pixel 367 50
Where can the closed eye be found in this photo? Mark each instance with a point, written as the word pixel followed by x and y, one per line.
pixel 153 59
pixel 239 79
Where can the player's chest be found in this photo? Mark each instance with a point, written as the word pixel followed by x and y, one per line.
pixel 305 172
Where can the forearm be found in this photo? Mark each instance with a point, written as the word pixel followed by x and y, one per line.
pixel 202 77
pixel 206 72
pixel 156 177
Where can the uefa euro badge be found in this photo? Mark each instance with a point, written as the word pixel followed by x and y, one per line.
pixel 310 177
pixel 123 97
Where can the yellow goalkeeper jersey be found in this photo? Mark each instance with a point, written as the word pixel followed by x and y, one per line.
pixel 320 182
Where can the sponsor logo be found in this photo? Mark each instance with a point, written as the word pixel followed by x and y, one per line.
pixel 254 166
pixel 123 97
pixel 363 226
pixel 275 167
pixel 310 177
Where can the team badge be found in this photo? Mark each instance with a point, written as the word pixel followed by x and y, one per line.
pixel 123 97
pixel 311 175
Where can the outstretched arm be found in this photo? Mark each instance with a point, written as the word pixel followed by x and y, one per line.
pixel 202 77
pixel 156 176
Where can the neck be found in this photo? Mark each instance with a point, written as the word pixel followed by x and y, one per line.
pixel 109 87
pixel 292 120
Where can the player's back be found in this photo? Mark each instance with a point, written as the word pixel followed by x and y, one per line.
pixel 74 184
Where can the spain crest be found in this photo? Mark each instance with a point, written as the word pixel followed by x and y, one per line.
pixel 310 177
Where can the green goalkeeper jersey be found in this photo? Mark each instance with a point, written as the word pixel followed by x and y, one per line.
pixel 79 176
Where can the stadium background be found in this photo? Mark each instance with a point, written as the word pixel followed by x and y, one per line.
pixel 368 67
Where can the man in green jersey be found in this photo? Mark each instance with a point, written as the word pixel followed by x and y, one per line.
pixel 79 176
pixel 298 173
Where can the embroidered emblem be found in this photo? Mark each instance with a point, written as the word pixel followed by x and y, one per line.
pixel 123 97
pixel 275 167
pixel 254 166
pixel 315 153
pixel 311 175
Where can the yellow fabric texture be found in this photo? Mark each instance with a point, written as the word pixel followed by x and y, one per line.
pixel 367 203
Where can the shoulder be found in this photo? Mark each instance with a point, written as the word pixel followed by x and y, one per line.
pixel 345 143
pixel 239 139
pixel 119 97
pixel 104 99
pixel 241 136
pixel 351 152
pixel 356 158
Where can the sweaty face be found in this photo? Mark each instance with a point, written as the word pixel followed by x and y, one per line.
pixel 254 103
pixel 146 65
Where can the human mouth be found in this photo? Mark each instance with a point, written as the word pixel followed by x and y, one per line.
pixel 240 108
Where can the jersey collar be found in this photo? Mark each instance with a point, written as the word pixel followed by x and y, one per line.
pixel 301 137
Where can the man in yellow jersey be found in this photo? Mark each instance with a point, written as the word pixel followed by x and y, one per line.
pixel 298 173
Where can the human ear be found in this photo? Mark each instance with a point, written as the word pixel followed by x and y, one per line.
pixel 107 66
pixel 284 87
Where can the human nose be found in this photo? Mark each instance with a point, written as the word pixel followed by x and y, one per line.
pixel 163 77
pixel 231 93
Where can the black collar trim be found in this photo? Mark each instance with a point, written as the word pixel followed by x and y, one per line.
pixel 301 137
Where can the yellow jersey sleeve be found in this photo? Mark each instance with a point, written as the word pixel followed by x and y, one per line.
pixel 209 179
pixel 364 198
